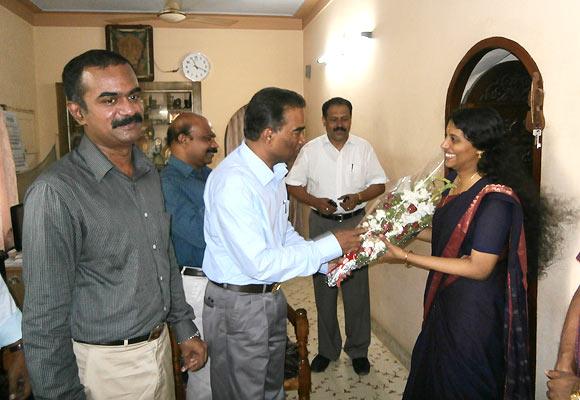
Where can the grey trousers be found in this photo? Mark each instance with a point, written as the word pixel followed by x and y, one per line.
pixel 355 296
pixel 246 335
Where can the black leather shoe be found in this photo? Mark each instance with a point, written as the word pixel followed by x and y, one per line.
pixel 361 365
pixel 319 363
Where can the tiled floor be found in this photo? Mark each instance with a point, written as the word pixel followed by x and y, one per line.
pixel 386 380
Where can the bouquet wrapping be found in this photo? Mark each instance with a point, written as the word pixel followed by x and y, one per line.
pixel 404 210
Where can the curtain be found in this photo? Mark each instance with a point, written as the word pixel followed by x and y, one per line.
pixel 8 188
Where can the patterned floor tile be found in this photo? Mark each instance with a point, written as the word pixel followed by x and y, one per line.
pixel 387 378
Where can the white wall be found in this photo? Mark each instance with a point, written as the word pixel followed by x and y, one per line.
pixel 398 86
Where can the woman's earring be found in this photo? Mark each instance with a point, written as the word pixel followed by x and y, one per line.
pixel 479 154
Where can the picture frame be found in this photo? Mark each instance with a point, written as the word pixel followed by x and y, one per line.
pixel 135 43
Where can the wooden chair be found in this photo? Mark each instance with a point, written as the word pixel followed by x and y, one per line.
pixel 180 388
pixel 299 320
pixel 302 382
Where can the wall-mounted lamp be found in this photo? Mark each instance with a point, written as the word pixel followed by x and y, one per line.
pixel 323 59
pixel 348 43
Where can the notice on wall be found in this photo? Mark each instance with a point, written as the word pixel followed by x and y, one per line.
pixel 15 136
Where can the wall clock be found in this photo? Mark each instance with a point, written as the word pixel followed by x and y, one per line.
pixel 196 66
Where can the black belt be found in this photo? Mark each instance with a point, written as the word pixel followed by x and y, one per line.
pixel 339 217
pixel 152 335
pixel 192 271
pixel 252 288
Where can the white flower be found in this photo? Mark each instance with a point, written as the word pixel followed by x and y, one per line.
pixel 374 225
pixel 409 197
pixel 379 246
pixel 380 214
pixel 424 209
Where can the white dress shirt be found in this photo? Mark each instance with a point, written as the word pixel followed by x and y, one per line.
pixel 10 317
pixel 328 172
pixel 248 236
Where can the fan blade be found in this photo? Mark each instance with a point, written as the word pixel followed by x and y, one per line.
pixel 143 18
pixel 211 20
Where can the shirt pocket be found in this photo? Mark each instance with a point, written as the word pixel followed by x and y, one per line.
pixel 356 172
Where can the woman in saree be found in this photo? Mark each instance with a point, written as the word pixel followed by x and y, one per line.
pixel 474 339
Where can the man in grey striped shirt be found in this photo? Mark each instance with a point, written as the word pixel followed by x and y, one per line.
pixel 100 273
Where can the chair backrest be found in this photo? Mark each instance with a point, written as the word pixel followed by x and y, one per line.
pixel 17 216
pixel 235 131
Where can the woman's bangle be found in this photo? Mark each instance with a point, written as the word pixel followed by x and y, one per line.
pixel 575 395
pixel 407 258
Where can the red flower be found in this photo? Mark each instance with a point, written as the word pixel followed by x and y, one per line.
pixel 387 227
pixel 411 208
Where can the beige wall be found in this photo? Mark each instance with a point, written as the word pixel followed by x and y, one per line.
pixel 398 86
pixel 243 61
pixel 17 83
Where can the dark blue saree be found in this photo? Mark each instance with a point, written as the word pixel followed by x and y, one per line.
pixel 474 340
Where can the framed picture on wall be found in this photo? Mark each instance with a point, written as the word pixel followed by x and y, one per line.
pixel 135 43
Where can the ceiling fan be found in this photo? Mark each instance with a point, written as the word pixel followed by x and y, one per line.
pixel 172 12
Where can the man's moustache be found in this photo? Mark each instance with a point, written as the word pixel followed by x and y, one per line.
pixel 340 129
pixel 212 150
pixel 126 121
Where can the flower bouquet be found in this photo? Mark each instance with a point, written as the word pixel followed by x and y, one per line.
pixel 398 215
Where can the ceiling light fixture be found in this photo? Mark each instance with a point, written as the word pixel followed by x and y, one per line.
pixel 172 16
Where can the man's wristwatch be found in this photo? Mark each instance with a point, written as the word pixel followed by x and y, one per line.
pixel 195 335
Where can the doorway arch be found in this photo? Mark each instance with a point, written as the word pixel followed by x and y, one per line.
pixel 533 123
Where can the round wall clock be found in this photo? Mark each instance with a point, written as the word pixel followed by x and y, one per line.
pixel 195 66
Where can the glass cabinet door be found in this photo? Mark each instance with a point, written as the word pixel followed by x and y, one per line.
pixel 162 103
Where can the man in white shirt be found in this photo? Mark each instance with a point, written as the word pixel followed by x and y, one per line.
pixel 251 247
pixel 336 174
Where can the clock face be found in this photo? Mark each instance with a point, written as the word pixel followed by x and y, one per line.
pixel 195 66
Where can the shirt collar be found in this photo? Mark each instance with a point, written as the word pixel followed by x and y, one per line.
pixel 187 170
pixel 326 140
pixel 184 168
pixel 99 164
pixel 259 168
